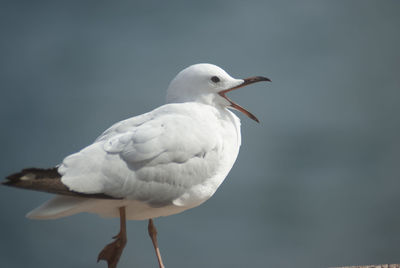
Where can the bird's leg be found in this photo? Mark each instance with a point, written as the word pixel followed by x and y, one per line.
pixel 153 235
pixel 112 252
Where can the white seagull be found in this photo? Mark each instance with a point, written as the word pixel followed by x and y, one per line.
pixel 156 164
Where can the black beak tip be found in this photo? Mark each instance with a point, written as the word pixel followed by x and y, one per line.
pixel 262 78
pixel 255 79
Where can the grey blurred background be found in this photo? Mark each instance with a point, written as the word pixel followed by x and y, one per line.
pixel 316 184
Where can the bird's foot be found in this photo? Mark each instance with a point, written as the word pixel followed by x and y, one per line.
pixel 113 251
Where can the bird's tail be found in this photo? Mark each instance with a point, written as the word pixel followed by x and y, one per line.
pixel 65 203
pixel 38 179
pixel 46 180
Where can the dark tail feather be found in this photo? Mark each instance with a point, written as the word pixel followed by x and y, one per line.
pixel 45 180
pixel 32 173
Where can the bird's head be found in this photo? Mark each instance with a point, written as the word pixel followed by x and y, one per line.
pixel 207 83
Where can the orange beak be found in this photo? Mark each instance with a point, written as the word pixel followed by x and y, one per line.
pixel 246 81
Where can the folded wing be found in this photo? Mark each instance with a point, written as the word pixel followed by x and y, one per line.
pixel 154 158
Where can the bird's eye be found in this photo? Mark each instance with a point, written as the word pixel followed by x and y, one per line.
pixel 215 79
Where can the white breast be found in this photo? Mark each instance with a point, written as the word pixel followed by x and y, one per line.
pixel 231 140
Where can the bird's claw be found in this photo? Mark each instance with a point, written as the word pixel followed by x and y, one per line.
pixel 113 251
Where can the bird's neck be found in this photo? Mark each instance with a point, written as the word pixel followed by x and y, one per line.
pixel 195 95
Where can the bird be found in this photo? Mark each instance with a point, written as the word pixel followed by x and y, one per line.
pixel 159 163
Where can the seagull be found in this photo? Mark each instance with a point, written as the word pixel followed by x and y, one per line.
pixel 160 163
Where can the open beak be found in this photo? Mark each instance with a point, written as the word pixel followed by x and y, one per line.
pixel 246 81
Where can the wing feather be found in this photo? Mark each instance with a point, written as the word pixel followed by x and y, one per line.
pixel 155 158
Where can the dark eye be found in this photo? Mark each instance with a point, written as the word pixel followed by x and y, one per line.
pixel 215 79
